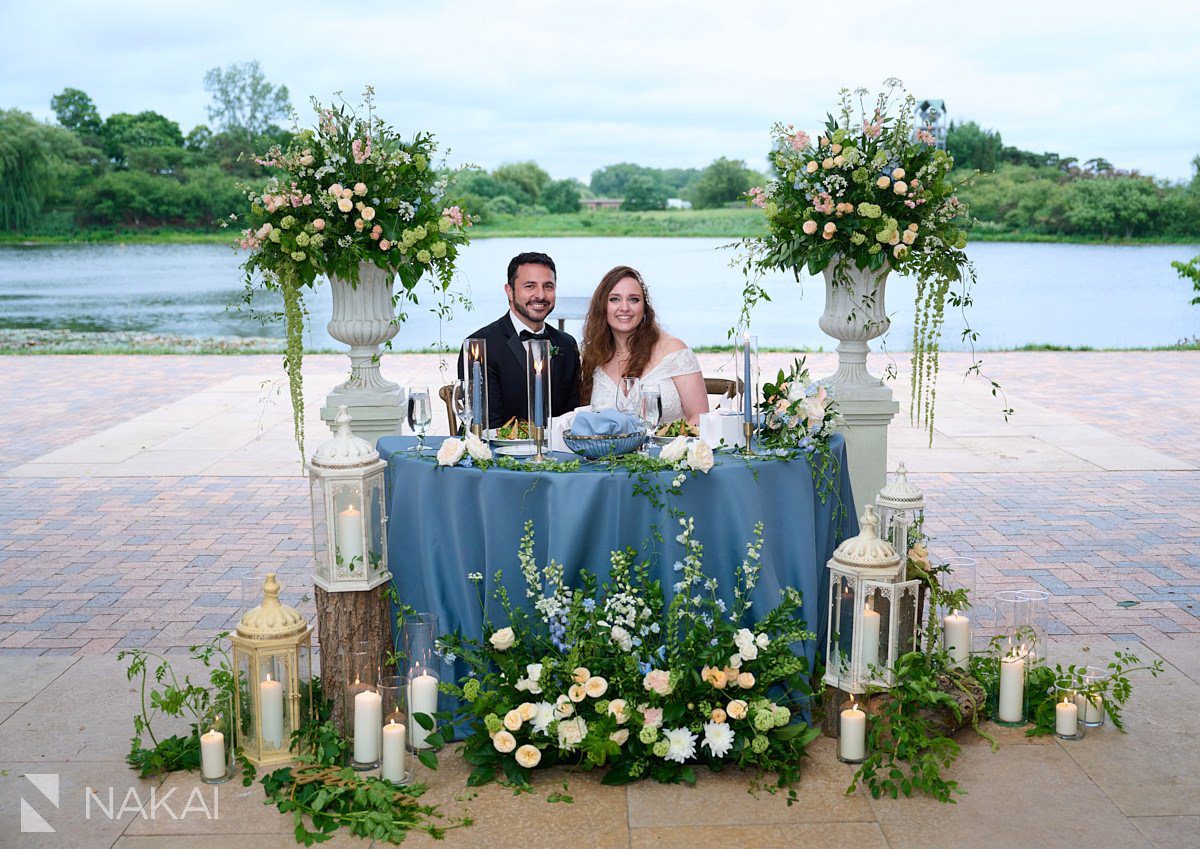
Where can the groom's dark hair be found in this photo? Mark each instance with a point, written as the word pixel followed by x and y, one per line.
pixel 528 258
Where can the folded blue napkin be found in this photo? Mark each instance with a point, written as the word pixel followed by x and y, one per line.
pixel 604 423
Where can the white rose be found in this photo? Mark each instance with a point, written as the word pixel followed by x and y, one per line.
pixel 531 683
pixel 504 742
pixel 503 640
pixel 815 411
pixel 570 732
pixel 675 450
pixel 595 687
pixel 796 392
pixel 735 661
pixel 619 736
pixel 512 720
pixel 563 707
pixel 477 449
pixel 451 452
pixel 619 709
pixel 762 641
pixel 621 637
pixel 749 652
pixel 529 756
pixel 700 456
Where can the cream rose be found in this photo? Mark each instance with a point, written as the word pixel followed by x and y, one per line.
pixel 563 707
pixel 718 715
pixel 360 189
pixel 504 742
pixel 580 675
pixel 658 681
pixel 571 732
pixel 745 680
pixel 900 188
pixel 527 711
pixel 345 205
pixel 451 451
pixel 577 693
pixel 736 709
pixel 811 167
pixel 476 448
pixel 809 227
pixel 503 640
pixel 619 708
pixel 512 720
pixel 368 213
pixel 529 756
pixel 883 182
pixel 595 687
pixel 619 736
pixel 700 456
pixel 675 450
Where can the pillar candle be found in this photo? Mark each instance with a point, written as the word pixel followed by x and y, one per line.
pixel 349 534
pixel 1066 718
pixel 870 638
pixel 1094 709
pixel 852 734
pixel 270 700
pixel 1012 686
pixel 539 412
pixel 212 754
pixel 747 391
pixel 476 388
pixel 393 752
pixel 422 698
pixel 956 638
pixel 368 717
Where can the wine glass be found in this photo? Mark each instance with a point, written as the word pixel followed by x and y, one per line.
pixel 420 414
pixel 627 399
pixel 462 406
pixel 650 402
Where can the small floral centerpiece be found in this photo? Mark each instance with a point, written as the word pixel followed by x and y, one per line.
pixel 610 675
pixel 870 191
pixel 346 192
pixel 798 413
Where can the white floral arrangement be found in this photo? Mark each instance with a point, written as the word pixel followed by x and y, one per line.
pixel 611 675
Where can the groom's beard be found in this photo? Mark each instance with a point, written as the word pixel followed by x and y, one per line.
pixel 523 311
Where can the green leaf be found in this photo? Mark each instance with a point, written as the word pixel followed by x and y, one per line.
pixel 424 720
pixel 481 775
pixel 428 758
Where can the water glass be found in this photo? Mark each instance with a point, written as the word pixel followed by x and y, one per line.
pixel 651 411
pixel 462 407
pixel 420 414
pixel 627 399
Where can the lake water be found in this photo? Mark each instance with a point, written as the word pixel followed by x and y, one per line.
pixel 1076 295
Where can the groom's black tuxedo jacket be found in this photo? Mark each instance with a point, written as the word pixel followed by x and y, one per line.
pixel 506 363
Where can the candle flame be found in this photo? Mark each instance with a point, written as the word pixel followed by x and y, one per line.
pixel 853 704
pixel 954 611
pixel 537 366
pixel 355 680
pixel 475 350
pixel 268 677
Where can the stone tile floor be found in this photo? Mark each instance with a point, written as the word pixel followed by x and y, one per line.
pixel 134 491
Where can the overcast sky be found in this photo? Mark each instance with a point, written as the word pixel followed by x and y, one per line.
pixel 577 85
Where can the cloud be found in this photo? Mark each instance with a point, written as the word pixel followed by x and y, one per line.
pixel 578 86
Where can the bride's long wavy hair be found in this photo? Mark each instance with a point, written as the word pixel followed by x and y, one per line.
pixel 599 344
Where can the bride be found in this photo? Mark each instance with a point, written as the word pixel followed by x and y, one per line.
pixel 621 338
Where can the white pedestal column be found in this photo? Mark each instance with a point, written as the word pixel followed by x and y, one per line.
pixel 364 319
pixel 855 313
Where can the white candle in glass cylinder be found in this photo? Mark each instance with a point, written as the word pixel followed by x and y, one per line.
pixel 1012 686
pixel 422 698
pixel 393 752
pixel 349 534
pixel 270 701
pixel 852 733
pixel 368 717
pixel 1066 718
pixel 212 754
pixel 870 639
pixel 1094 709
pixel 956 638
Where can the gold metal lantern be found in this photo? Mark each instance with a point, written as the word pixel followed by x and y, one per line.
pixel 272 658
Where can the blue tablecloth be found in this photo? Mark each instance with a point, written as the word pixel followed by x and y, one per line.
pixel 444 523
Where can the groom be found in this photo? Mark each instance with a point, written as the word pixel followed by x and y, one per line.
pixel 530 290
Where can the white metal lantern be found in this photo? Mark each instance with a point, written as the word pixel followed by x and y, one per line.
pixel 901 508
pixel 349 521
pixel 272 658
pixel 872 610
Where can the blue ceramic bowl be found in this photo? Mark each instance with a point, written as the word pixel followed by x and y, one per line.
pixel 595 447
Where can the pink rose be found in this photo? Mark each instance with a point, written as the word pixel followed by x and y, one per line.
pixel 652 717
pixel 319 224
pixel 809 227
pixel 658 681
pixel 384 244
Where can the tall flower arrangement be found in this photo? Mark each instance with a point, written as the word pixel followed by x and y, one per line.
pixel 347 191
pixel 613 676
pixel 870 190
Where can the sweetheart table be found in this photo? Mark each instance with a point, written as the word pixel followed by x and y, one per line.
pixel 447 522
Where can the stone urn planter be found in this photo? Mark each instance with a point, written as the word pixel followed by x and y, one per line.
pixel 364 318
pixel 855 313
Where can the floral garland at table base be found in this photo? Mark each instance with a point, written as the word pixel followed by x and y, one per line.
pixel 610 675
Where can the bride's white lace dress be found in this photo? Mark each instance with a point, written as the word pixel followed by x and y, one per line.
pixel 675 364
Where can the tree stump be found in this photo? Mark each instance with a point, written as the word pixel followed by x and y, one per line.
pixel 966 692
pixel 349 622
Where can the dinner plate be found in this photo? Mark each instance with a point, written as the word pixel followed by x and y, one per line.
pixel 514 449
pixel 495 440
pixel 666 440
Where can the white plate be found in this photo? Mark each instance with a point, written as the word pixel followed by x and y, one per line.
pixel 495 440
pixel 514 449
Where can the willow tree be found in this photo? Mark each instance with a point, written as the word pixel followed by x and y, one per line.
pixel 28 150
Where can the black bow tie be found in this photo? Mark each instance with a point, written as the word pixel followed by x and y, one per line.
pixel 526 335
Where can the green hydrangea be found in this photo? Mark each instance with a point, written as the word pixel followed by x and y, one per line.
pixel 444 225
pixel 471 690
pixel 648 734
pixel 302 239
pixel 764 720
pixel 419 232
pixel 298 256
pixel 287 222
pixel 782 716
pixel 869 210
pixel 493 723
pixel 408 238
pixel 759 745
pixel 857 238
pixel 439 249
pixel 874 249
pixel 861 176
pixel 661 748
pixel 274 236
pixel 423 256
pixel 419 161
